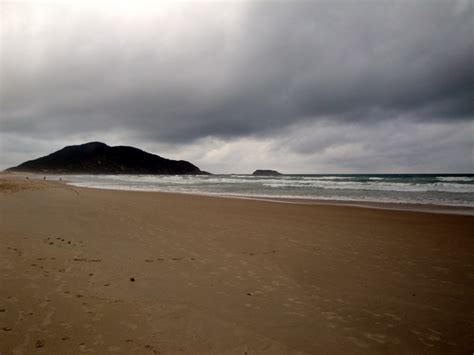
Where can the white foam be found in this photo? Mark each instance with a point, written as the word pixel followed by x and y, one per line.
pixel 456 178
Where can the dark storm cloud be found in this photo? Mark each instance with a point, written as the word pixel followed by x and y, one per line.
pixel 281 63
pixel 180 72
pixel 387 57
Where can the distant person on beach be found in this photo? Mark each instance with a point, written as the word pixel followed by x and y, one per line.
pixel 44 177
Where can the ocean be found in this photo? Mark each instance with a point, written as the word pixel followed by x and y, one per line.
pixel 437 189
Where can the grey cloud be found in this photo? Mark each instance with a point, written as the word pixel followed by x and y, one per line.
pixel 234 69
pixel 396 146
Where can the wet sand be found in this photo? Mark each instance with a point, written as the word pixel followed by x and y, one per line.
pixel 100 271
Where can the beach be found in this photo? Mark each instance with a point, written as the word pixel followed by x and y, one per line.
pixel 104 271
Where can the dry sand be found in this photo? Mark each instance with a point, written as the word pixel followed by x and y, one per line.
pixel 216 275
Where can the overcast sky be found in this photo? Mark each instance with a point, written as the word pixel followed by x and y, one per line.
pixel 310 87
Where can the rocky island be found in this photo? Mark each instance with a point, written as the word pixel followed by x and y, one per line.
pixel 262 172
pixel 99 158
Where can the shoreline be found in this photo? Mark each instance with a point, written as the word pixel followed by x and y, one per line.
pixel 391 206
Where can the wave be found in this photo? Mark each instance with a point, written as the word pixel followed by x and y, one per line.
pixel 395 187
pixel 456 178
pixel 326 177
pixel 307 183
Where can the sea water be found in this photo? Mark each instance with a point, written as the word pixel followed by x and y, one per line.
pixel 437 189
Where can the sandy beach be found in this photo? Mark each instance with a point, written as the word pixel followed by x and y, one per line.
pixel 102 271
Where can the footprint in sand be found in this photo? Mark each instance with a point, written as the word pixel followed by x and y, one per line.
pixel 39 344
pixel 87 260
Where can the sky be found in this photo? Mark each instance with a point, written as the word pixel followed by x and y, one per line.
pixel 233 86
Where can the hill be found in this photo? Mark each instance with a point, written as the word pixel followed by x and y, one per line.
pixel 99 158
pixel 261 172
